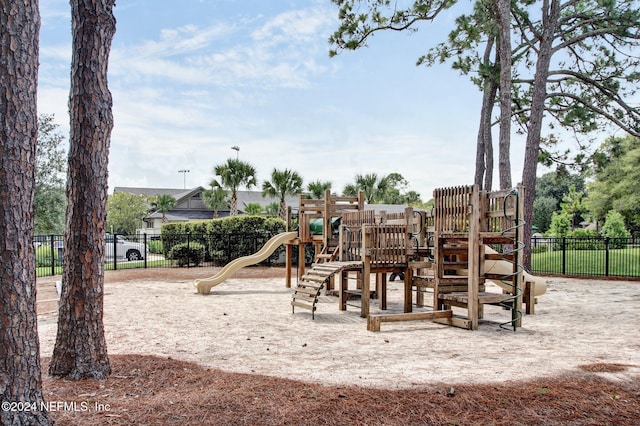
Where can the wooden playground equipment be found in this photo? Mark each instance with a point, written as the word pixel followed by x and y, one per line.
pixel 449 253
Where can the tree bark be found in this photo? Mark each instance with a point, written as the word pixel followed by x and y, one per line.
pixel 80 350
pixel 550 17
pixel 503 8
pixel 484 146
pixel 20 370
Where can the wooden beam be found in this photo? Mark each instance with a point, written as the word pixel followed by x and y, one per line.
pixel 374 321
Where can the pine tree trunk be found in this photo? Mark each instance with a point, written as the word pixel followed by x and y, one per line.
pixel 551 13
pixel 80 350
pixel 484 147
pixel 20 371
pixel 504 154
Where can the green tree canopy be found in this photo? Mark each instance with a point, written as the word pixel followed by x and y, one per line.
pixel 387 189
pixel 163 204
pixel 272 209
pixel 551 188
pixel 615 186
pixel 50 201
pixel 254 209
pixel 125 212
pixel 216 198
pixel 232 176
pixel 573 205
pixel 283 182
pixel 317 188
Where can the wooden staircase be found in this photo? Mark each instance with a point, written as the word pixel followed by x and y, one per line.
pixel 312 283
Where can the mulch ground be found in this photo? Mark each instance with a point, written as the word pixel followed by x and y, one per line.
pixel 147 390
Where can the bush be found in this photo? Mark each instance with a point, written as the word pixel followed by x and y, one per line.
pixel 155 246
pixel 615 229
pixel 187 254
pixel 227 238
pixel 542 248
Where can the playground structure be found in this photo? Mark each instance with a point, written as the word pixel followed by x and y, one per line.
pixel 450 253
pixel 469 238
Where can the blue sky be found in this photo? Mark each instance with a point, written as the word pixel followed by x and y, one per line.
pixel 192 78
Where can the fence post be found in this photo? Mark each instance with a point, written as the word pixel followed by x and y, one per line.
pixel 564 255
pixel 606 256
pixel 146 249
pixel 188 248
pixel 115 252
pixel 53 256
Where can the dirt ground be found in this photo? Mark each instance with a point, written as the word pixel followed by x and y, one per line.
pixel 240 356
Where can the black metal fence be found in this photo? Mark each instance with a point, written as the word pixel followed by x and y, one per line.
pixel 579 256
pixel 586 256
pixel 184 250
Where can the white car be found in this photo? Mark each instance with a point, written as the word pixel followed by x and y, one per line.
pixel 125 249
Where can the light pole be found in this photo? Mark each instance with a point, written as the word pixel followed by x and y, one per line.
pixel 184 177
pixel 236 148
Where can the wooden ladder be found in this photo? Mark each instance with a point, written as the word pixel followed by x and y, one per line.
pixel 311 284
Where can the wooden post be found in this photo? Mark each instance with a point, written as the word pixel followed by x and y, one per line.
pixel 366 272
pixel 408 278
pixel 301 258
pixel 287 257
pixel 326 218
pixel 381 289
pixel 344 286
pixel 473 258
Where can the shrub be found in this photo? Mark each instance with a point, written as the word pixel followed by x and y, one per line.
pixel 560 224
pixel 542 248
pixel 225 239
pixel 155 246
pixel 187 254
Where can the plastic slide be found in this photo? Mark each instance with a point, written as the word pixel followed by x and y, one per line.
pixel 204 285
pixel 506 268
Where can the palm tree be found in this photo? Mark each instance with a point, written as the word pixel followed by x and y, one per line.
pixel 318 188
pixel 253 209
pixel 163 204
pixel 233 174
pixel 373 187
pixel 215 198
pixel 283 182
pixel 272 209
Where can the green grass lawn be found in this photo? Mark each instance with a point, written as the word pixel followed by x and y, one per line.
pixel 622 262
pixel 45 271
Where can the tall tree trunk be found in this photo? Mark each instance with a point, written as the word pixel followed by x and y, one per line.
pixel 504 24
pixel 20 371
pixel 550 17
pixel 80 351
pixel 234 204
pixel 484 146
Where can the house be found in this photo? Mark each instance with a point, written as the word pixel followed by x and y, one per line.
pixel 190 205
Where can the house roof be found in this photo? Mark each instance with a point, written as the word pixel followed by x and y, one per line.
pixel 183 215
pixel 154 192
pixel 244 198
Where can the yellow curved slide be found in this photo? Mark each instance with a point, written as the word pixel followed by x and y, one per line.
pixel 506 268
pixel 204 285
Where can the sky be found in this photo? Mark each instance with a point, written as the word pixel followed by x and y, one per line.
pixel 191 79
